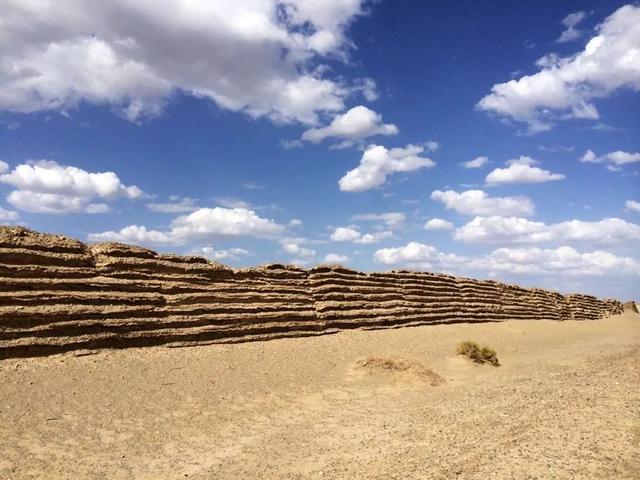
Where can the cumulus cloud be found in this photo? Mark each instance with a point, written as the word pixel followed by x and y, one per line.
pixel 293 247
pixel 632 205
pixel 417 256
pixel 570 22
pixel 254 56
pixel 477 162
pixel 391 220
pixel 335 258
pixel 176 204
pixel 296 222
pixel 44 186
pixel 566 87
pixel 345 234
pixel 4 166
pixel 8 215
pixel 223 221
pixel 221 255
pixel 521 170
pixel 514 230
pixel 590 157
pixel 622 158
pixel 375 237
pixel 378 162
pixel 615 159
pixel 203 223
pixel 351 234
pixel 561 261
pixel 477 202
pixel 356 124
pixel 134 234
pixel 438 224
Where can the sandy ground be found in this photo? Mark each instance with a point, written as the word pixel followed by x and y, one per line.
pixel 564 404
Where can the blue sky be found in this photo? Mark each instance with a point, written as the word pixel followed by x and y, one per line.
pixel 495 140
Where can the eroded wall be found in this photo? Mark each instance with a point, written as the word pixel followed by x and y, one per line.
pixel 59 294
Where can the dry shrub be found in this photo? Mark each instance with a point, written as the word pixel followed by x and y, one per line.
pixel 474 352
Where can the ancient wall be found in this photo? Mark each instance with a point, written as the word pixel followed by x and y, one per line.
pixel 60 294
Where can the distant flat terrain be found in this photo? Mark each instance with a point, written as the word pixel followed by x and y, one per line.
pixel 385 404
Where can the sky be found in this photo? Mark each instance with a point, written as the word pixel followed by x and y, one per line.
pixel 496 140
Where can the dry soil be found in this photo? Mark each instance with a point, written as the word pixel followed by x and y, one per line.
pixel 387 404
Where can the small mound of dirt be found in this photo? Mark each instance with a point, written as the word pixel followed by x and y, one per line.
pixel 631 307
pixel 399 368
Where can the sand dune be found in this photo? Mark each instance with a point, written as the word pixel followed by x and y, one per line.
pixel 58 294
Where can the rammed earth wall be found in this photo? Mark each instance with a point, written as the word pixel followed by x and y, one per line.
pixel 59 294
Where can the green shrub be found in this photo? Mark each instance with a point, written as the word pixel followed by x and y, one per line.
pixel 473 351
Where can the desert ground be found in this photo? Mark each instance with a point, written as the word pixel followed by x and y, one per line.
pixel 382 404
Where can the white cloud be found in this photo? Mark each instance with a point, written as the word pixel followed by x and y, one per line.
pixel 223 221
pixel 570 22
pixel 345 234
pixel 377 162
pixel 590 157
pixel 561 261
pixel 391 220
pixel 335 258
pixel 253 186
pixel 375 237
pixel 617 158
pixel 296 222
pixel 291 144
pixel 176 204
pixel 431 145
pixel 350 234
pixel 412 252
pixel 477 162
pixel 438 224
pixel 46 176
pixel 254 56
pixel 497 229
pixel 368 88
pixel 557 148
pixel 293 247
pixel 221 255
pixel 356 124
pixel 8 215
pixel 632 205
pixel 566 87
pixel 232 202
pixel 203 223
pixel 522 170
pixel 44 186
pixel 133 234
pixel 54 203
pixel 513 230
pixel 622 158
pixel 4 166
pixel 417 256
pixel 477 202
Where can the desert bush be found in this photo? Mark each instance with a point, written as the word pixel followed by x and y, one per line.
pixel 474 352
